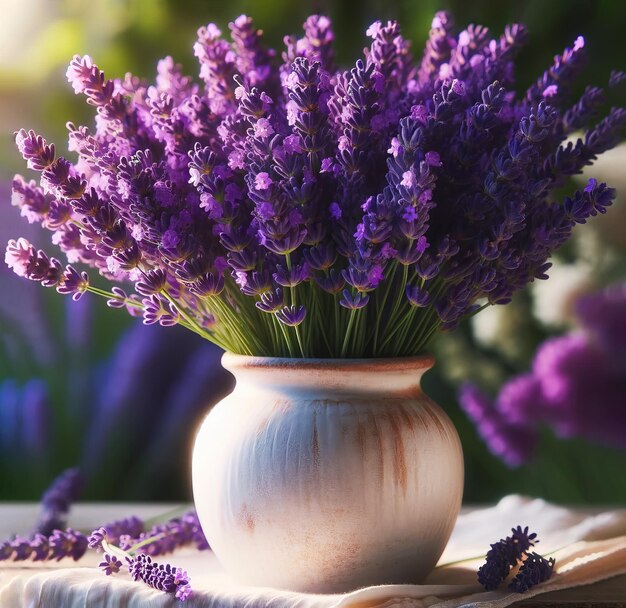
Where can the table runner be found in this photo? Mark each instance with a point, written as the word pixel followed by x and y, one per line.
pixel 588 547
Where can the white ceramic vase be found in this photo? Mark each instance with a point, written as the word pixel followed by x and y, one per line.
pixel 325 475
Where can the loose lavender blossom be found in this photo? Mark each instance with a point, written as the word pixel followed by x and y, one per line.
pixel 503 556
pixel 535 569
pixel 110 564
pixel 281 206
pixel 576 386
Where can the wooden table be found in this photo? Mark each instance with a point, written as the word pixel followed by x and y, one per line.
pixel 607 594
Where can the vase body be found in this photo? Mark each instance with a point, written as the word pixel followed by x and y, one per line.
pixel 322 475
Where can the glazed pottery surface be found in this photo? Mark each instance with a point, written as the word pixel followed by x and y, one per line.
pixel 327 475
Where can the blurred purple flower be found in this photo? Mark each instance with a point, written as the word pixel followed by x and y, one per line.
pixel 576 386
pixel 513 443
pixel 57 500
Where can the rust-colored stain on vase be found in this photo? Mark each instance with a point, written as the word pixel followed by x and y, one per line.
pixel 315 443
pixel 246 519
pixel 399 461
pixel 410 421
pixel 361 436
pixel 436 421
pixel 380 450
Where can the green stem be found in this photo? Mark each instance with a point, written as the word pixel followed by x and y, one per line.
pixel 299 339
pixel 113 550
pixel 380 308
pixel 287 339
pixel 346 339
pixel 399 296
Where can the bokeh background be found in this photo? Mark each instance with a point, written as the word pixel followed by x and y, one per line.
pixel 84 385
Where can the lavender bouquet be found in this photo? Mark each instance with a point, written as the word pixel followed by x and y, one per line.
pixel 288 208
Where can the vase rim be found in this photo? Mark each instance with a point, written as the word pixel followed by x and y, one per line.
pixel 232 361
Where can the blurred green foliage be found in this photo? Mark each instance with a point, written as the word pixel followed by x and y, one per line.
pixel 39 37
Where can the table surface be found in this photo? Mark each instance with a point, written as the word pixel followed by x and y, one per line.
pixel 607 594
pixel 17 517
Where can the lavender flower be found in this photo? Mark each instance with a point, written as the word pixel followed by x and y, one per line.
pixel 511 441
pixel 68 543
pixel 110 564
pixel 113 531
pixel 503 556
pixel 344 187
pixel 41 547
pixel 160 576
pixel 161 538
pixel 96 537
pixel 535 569
pixel 164 538
pixel 291 315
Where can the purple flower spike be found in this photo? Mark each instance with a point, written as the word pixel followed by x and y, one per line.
pixel 160 576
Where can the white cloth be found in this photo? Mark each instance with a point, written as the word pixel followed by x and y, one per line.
pixel 588 548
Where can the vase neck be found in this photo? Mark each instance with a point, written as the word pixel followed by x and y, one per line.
pixel 371 376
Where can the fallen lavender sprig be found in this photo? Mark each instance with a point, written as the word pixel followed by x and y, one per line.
pixel 158 540
pixel 162 577
pixel 129 532
pixel 507 553
pixel 503 556
pixel 128 526
pixel 169 536
pixel 56 546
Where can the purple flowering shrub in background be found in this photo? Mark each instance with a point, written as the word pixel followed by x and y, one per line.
pixel 144 400
pixel 283 207
pixel 577 386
